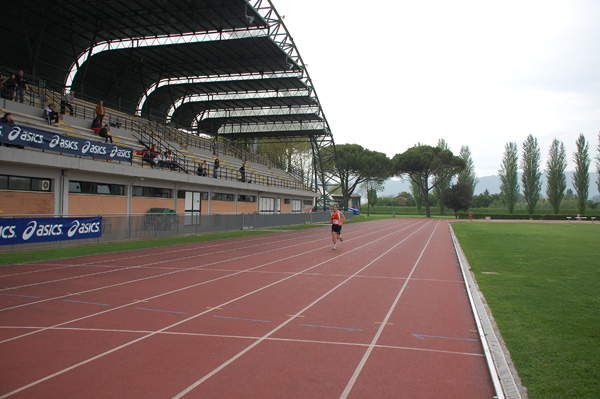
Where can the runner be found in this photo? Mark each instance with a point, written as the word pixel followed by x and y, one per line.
pixel 337 219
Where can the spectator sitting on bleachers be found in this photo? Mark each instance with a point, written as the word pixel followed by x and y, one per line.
pixel 159 160
pixel 2 93
pixel 201 171
pixel 96 125
pixel 66 102
pixel 106 134
pixel 51 114
pixel 7 118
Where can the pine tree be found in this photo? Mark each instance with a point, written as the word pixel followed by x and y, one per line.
pixel 441 183
pixel 532 176
pixel 557 180
pixel 581 178
pixel 509 181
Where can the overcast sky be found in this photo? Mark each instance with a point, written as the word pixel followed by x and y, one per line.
pixel 392 73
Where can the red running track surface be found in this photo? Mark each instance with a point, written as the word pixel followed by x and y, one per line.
pixel 386 315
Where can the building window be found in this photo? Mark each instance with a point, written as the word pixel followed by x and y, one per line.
pixel 246 198
pixel 296 206
pixel 154 192
pixel 308 202
pixel 221 197
pixel 286 201
pixel 86 187
pixel 25 183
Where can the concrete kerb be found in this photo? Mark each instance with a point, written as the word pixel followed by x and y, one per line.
pixel 504 375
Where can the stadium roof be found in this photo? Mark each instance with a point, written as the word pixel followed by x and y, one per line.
pixel 217 66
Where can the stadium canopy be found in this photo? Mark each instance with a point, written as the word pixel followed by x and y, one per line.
pixel 226 67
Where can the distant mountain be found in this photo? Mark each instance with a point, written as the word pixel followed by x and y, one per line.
pixel 491 183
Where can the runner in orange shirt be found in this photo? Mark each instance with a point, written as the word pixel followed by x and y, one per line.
pixel 337 219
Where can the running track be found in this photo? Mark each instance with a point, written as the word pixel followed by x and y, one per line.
pixel 282 315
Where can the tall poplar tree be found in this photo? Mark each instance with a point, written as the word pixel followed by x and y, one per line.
pixel 467 177
pixel 532 176
pixel 509 180
pixel 581 178
pixel 555 170
pixel 598 164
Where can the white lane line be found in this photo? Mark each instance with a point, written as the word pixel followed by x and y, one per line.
pixel 365 357
pixel 173 291
pixel 244 337
pixel 169 273
pixel 101 355
pixel 279 327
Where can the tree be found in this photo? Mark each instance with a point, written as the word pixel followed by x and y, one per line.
pixel 532 176
pixel 598 163
pixel 417 195
pixel 441 182
pixel 581 178
pixel 357 165
pixel 371 187
pixel 509 181
pixel 458 198
pixel 467 177
pixel 555 170
pixel 422 162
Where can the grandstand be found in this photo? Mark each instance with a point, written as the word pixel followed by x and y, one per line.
pixel 176 80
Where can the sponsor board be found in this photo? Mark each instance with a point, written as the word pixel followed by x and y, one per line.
pixel 26 230
pixel 47 141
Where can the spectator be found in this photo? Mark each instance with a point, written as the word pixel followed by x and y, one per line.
pixel 11 85
pixel 51 114
pixel 104 132
pixel 21 87
pixel 214 146
pixel 100 112
pixel 216 169
pixel 7 118
pixel 96 125
pixel 172 161
pixel 205 168
pixel 2 88
pixel 200 170
pixel 243 171
pixel 148 157
pixel 67 102
pixel 159 160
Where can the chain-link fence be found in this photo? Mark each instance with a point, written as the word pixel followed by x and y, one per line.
pixel 159 225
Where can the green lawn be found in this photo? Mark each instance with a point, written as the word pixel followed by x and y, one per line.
pixel 542 282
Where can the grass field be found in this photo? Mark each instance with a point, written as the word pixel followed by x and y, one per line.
pixel 542 283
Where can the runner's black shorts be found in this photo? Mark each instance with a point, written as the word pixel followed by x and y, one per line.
pixel 336 228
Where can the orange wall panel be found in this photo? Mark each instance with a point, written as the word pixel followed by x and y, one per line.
pixel 26 203
pixel 143 204
pixel 90 204
pixel 222 207
pixel 247 207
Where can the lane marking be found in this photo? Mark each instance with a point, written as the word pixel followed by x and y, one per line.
pixel 336 328
pixel 22 296
pixel 159 310
pixel 73 293
pixel 239 318
pixel 423 336
pixel 294 315
pixel 87 303
pixel 140 300
pixel 273 331
pixel 371 346
pixel 209 307
pixel 387 324
pixel 151 334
